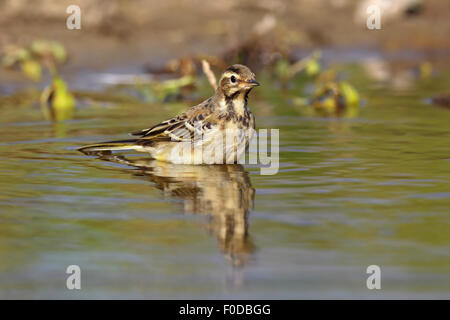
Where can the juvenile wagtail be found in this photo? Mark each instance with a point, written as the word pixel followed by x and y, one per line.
pixel 206 126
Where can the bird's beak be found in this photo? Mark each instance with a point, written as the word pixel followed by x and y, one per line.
pixel 252 83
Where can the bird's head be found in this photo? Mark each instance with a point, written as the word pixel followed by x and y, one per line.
pixel 237 78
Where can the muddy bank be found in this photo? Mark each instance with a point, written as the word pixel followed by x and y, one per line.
pixel 121 37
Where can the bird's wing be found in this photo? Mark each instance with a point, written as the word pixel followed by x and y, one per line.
pixel 187 126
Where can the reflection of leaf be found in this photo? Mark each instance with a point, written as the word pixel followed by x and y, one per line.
pixel 32 70
pixel 60 129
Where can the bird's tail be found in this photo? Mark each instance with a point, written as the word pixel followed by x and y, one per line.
pixel 110 146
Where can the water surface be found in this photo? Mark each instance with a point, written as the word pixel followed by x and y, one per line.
pixel 373 189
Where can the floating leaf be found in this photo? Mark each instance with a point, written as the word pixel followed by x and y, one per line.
pixel 349 93
pixel 312 67
pixel 63 102
pixel 57 102
pixel 426 69
pixel 327 104
pixel 332 98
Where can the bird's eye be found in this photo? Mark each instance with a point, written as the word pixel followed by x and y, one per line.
pixel 233 79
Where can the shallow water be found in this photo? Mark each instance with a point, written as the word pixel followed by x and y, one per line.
pixel 350 193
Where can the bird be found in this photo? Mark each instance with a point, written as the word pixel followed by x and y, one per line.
pixel 216 131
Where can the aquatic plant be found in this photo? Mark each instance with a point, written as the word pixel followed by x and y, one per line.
pixel 331 98
pixel 56 100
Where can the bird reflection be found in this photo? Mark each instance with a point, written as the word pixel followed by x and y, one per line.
pixel 222 192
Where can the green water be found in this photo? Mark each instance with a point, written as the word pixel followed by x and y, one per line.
pixel 369 190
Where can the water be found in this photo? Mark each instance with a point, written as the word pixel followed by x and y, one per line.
pixel 373 189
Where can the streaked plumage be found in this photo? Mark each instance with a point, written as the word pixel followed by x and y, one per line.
pixel 203 125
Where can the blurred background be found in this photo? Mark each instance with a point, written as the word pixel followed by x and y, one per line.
pixel 364 150
pixel 152 32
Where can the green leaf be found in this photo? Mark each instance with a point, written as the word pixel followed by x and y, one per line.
pixel 16 56
pixel 349 93
pixel 53 48
pixel 58 52
pixel 312 67
pixel 39 47
pixel 32 70
pixel 62 103
pixel 282 68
